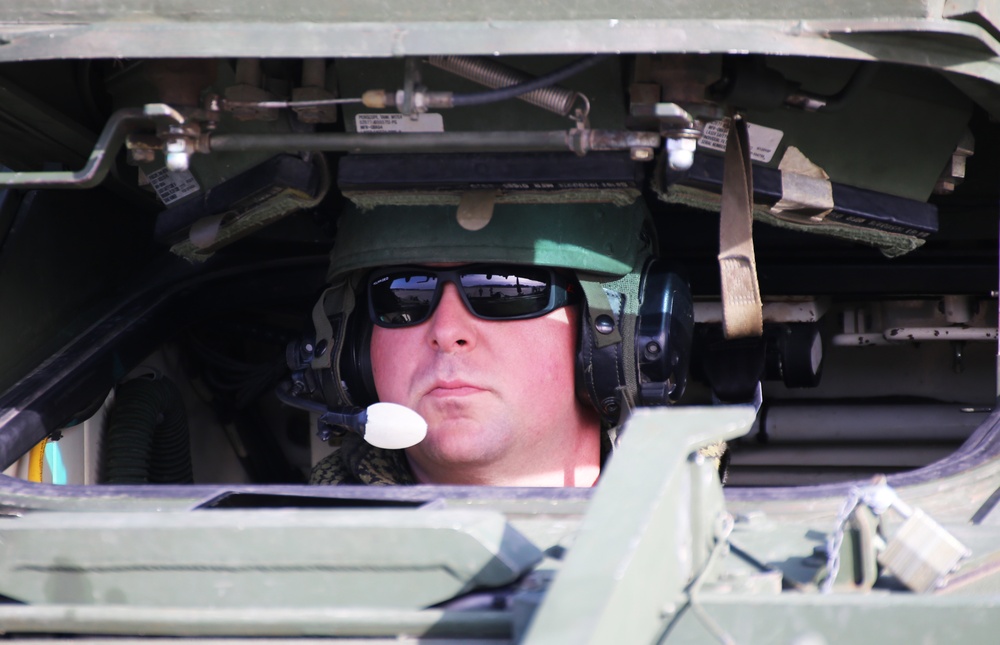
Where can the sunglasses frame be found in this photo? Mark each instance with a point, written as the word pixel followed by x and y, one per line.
pixel 563 291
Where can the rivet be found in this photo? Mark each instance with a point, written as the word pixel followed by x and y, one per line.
pixel 652 347
pixel 604 324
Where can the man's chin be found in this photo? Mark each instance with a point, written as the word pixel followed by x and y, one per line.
pixel 457 444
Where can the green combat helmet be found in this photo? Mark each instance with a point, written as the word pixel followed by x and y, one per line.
pixel 637 320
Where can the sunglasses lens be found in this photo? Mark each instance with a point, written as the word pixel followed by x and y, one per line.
pixel 507 294
pixel 402 298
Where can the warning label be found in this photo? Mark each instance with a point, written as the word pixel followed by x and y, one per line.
pixel 376 123
pixel 171 186
pixel 763 140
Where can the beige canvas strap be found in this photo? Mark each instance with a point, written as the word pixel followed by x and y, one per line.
pixel 741 303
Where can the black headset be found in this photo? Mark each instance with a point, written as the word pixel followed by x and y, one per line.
pixel 606 377
pixel 655 372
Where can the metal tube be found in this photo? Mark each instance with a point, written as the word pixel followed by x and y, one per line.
pixel 392 142
pixel 97 166
pixel 258 622
pixel 314 72
pixel 892 456
pixel 515 141
pixel 124 121
pixel 850 424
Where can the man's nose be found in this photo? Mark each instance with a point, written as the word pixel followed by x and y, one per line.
pixel 452 327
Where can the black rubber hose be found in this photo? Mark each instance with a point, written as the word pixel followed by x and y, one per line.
pixel 147 439
pixel 511 91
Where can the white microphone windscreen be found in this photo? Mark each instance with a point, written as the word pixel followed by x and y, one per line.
pixel 393 426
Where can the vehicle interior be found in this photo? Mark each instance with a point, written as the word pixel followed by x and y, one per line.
pixel 169 220
pixel 822 178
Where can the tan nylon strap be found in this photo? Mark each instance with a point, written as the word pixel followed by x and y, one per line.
pixel 741 304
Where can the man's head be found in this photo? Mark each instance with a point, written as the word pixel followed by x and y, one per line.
pixel 523 323
pixel 498 395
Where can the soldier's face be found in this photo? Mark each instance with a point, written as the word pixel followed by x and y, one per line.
pixel 489 390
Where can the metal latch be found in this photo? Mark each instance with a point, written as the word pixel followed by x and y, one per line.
pixel 919 554
pixel 922 552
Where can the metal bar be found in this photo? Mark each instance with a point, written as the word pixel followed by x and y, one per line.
pixel 97 166
pixel 849 424
pixel 814 455
pixel 258 621
pixel 438 142
pixel 514 141
pixel 122 122
pixel 919 334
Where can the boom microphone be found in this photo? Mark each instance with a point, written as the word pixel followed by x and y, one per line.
pixel 383 425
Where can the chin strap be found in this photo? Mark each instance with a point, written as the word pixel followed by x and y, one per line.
pixel 741 304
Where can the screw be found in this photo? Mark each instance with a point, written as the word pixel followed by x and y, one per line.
pixel 610 406
pixel 604 324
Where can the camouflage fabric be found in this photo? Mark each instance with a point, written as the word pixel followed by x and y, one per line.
pixel 357 462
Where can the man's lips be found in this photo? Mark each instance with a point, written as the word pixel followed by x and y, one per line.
pixel 453 388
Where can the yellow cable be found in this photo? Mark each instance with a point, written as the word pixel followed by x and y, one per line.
pixel 36 462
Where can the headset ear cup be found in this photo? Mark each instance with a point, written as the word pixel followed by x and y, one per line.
pixel 599 374
pixel 356 360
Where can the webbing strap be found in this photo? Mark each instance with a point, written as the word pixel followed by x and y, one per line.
pixel 741 304
pixel 600 305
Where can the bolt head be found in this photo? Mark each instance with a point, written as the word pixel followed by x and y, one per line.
pixel 680 153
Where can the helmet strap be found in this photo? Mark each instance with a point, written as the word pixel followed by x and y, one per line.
pixel 601 314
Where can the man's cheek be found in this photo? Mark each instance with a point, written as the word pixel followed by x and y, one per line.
pixel 388 373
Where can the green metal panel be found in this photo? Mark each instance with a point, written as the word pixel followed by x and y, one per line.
pixel 385 558
pixel 841 618
pixel 860 29
pixel 648 533
pixel 56 11
pixel 894 136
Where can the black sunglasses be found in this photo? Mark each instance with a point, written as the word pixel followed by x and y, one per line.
pixel 407 295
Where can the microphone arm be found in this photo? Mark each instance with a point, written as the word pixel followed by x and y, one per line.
pixel 352 418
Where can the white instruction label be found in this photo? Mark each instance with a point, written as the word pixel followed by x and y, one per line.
pixel 763 140
pixel 374 123
pixel 171 186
